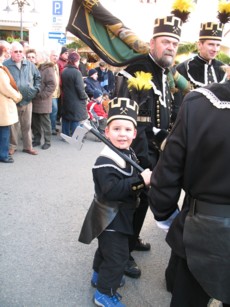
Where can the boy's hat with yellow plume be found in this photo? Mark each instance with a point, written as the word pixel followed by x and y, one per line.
pixel 126 108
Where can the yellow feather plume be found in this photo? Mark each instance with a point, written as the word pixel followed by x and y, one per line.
pixel 224 11
pixel 183 5
pixel 141 81
pixel 182 9
pixel 224 7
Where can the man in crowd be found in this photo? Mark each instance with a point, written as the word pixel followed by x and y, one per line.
pixel 204 68
pixel 106 78
pixel 155 110
pixel 28 80
pixel 62 62
pixel 56 93
pixel 83 66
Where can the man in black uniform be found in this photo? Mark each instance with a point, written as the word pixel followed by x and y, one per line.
pixel 156 109
pixel 204 68
pixel 195 159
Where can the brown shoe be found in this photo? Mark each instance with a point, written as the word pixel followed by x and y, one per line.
pixel 11 151
pixel 30 151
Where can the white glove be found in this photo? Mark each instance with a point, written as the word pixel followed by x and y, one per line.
pixel 165 225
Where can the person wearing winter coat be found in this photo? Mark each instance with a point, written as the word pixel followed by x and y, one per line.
pixel 96 111
pixel 42 103
pixel 74 98
pixel 9 96
pixel 92 83
pixel 28 80
pixel 106 78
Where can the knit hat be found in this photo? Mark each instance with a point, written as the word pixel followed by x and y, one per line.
pixel 97 93
pixel 123 108
pixel 73 58
pixel 92 72
pixel 63 50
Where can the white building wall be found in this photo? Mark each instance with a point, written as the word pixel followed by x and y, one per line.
pixel 136 15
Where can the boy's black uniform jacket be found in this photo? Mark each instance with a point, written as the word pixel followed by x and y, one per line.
pixel 117 186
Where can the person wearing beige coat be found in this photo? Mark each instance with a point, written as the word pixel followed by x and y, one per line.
pixel 9 96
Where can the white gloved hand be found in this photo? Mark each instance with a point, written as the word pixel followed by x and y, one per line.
pixel 165 225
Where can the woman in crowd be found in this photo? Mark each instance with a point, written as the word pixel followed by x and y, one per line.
pixel 9 96
pixel 74 96
pixel 42 103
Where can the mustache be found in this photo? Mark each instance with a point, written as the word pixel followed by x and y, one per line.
pixel 171 53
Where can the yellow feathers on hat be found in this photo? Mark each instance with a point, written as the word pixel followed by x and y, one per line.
pixel 182 9
pixel 224 11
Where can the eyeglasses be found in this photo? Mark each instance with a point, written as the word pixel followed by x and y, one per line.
pixel 18 51
pixel 30 57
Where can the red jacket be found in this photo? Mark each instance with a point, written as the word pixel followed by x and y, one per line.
pixel 95 110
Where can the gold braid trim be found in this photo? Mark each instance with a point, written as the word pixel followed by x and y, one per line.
pixel 115 28
pixel 129 38
pixel 89 4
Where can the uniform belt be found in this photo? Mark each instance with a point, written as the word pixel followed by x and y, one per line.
pixel 200 206
pixel 145 119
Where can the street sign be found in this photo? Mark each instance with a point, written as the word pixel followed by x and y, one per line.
pixel 62 41
pixel 57 35
pixel 57 7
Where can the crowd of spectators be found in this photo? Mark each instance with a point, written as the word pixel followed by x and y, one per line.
pixel 55 88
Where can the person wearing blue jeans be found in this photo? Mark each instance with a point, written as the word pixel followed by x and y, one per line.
pixel 74 97
pixel 4 142
pixel 68 126
pixel 53 115
pixel 9 96
pixel 54 55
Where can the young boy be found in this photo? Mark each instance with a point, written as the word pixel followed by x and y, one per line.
pixel 110 217
pixel 96 111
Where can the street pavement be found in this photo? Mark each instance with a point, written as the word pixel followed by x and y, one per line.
pixel 43 201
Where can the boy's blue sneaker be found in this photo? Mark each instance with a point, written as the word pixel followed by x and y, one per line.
pixel 95 277
pixel 104 300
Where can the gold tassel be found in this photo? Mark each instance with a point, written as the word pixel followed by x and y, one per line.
pixel 89 4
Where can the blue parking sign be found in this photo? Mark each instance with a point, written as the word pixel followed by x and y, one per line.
pixel 57 7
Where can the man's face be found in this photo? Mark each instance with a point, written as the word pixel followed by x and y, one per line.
pixel 54 57
pixel 17 54
pixel 163 49
pixel 208 49
pixel 102 68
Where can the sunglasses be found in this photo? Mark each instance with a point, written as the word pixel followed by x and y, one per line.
pixel 18 51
